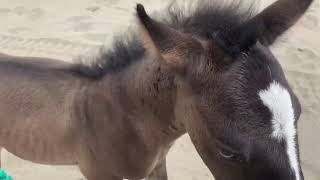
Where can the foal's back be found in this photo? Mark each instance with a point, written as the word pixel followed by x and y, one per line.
pixel 35 96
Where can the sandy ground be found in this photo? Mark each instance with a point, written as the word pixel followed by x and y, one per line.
pixel 65 29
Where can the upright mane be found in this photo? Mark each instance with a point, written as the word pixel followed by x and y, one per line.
pixel 200 18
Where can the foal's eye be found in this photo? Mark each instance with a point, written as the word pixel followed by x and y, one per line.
pixel 227 155
pixel 230 156
pixel 228 152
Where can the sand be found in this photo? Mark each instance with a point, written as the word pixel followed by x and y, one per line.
pixel 64 29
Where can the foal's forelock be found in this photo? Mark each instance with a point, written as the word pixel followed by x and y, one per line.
pixel 277 98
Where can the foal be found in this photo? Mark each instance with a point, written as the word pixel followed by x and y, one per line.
pixel 209 74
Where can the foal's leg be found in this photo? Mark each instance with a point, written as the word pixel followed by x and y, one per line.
pixel 159 172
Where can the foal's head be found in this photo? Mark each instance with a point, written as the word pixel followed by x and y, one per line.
pixel 232 94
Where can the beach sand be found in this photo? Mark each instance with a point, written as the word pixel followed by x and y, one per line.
pixel 65 29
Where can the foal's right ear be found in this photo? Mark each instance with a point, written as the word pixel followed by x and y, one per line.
pixel 278 18
pixel 170 46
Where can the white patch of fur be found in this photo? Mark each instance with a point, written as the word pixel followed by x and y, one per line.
pixel 278 100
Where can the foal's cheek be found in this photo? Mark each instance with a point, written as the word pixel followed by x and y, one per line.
pixel 208 154
pixel 222 172
pixel 220 168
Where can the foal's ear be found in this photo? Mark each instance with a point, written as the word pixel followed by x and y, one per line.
pixel 171 47
pixel 266 27
pixel 278 18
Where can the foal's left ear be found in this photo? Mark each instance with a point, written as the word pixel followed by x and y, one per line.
pixel 171 47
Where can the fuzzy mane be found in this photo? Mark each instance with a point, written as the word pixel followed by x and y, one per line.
pixel 203 19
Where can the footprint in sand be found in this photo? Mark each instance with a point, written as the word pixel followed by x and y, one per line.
pixel 302 84
pixel 308 54
pixel 20 10
pixel 76 19
pixel 33 14
pixel 107 2
pixel 310 21
pixel 80 23
pixel 18 30
pixel 82 27
pixel 93 8
pixel 95 37
pixel 121 9
pixel 36 13
pixel 4 11
pixel 304 60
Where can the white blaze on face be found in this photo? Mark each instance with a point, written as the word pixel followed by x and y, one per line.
pixel 278 100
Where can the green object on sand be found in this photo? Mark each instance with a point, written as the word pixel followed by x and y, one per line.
pixel 4 175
